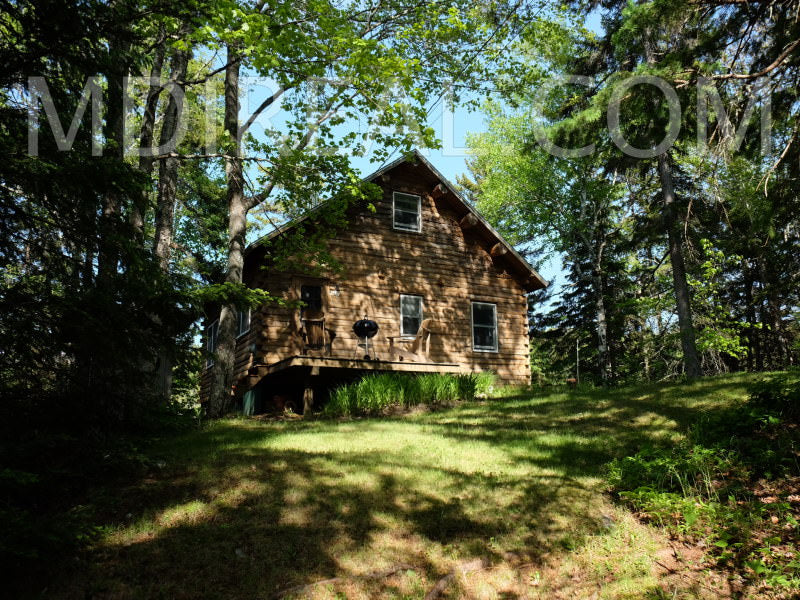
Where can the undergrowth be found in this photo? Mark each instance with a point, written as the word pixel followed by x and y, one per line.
pixel 374 394
pixel 732 483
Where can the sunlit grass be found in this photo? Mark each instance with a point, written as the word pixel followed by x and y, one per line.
pixel 246 508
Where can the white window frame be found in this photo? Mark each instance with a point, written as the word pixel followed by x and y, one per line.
pixel 421 313
pixel 239 320
pixel 212 335
pixel 475 348
pixel 419 213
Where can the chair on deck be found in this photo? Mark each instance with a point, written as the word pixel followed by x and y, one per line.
pixel 417 349
pixel 315 335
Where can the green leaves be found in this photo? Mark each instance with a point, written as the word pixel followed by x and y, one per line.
pixel 239 295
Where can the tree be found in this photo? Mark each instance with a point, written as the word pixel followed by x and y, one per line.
pixel 78 274
pixel 551 205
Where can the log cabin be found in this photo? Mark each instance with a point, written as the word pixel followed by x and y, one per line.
pixel 437 288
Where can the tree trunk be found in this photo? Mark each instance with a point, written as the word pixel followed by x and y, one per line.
pixel 691 362
pixel 599 234
pixel 146 161
pixel 108 255
pixel 603 356
pixel 165 206
pixel 168 167
pixel 222 381
pixel 750 315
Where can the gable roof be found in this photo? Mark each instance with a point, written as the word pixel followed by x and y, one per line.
pixel 531 280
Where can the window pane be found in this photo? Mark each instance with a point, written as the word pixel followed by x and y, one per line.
pixel 211 341
pixel 244 321
pixel 484 337
pixel 411 305
pixel 406 202
pixel 483 314
pixel 411 325
pixel 212 336
pixel 484 326
pixel 411 314
pixel 406 212
pixel 312 296
pixel 406 220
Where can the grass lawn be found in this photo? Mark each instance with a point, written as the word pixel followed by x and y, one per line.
pixel 506 495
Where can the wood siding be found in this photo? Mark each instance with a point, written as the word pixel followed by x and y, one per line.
pixel 447 266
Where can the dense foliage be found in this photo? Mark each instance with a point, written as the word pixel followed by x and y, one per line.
pixel 732 482
pixel 682 259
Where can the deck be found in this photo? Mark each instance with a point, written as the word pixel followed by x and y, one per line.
pixel 315 363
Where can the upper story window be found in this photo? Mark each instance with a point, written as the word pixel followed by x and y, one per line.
pixel 243 325
pixel 484 327
pixel 212 332
pixel 410 314
pixel 406 212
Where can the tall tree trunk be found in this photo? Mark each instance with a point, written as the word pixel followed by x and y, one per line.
pixel 146 160
pixel 603 355
pixel 600 235
pixel 750 315
pixel 168 167
pixel 222 381
pixel 108 255
pixel 165 206
pixel 691 362
pixel 595 244
pixel 603 359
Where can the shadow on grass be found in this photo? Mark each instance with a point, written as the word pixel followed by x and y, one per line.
pixel 246 509
pixel 268 520
pixel 589 427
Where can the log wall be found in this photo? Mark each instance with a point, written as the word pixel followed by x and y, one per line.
pixel 444 263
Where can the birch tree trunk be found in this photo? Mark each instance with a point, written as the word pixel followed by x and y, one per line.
pixel 168 167
pixel 603 356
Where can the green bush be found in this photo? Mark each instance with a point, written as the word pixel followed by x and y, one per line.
pixel 376 393
pixel 704 486
pixel 777 396
pixel 691 470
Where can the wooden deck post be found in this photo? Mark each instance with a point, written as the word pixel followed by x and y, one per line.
pixel 308 402
pixel 308 394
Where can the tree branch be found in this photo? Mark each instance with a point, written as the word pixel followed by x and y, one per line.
pixel 260 109
pixel 774 65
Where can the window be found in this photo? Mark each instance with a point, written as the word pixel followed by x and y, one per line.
pixel 244 322
pixel 484 327
pixel 311 295
pixel 410 314
pixel 406 209
pixel 212 332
